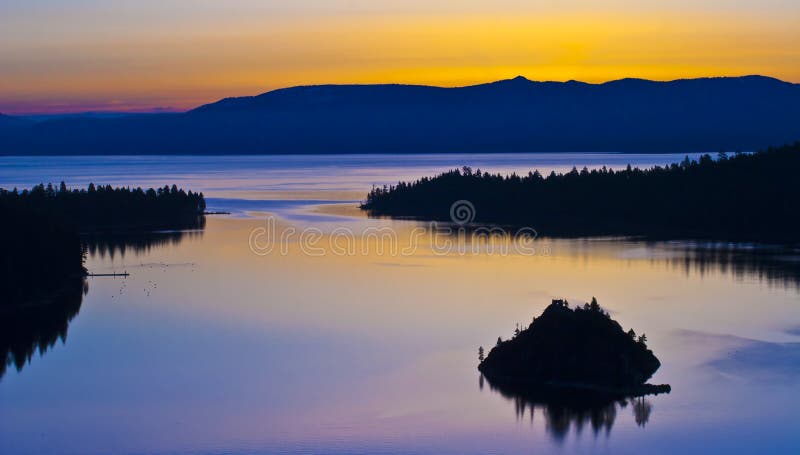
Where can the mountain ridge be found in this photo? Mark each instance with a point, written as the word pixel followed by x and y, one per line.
pixel 510 115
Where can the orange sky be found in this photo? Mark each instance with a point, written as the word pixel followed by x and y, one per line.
pixel 178 53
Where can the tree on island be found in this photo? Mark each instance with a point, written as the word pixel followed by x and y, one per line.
pixel 574 347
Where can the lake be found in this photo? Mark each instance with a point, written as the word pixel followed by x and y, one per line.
pixel 296 324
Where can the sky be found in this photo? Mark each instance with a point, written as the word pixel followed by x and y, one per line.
pixel 96 55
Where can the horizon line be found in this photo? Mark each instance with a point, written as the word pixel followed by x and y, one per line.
pixel 155 110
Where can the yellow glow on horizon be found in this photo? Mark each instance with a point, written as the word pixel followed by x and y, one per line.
pixel 185 67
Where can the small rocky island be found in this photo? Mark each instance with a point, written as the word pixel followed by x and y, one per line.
pixel 580 348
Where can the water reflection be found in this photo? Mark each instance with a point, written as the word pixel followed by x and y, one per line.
pixel 564 410
pixel 333 337
pixel 39 312
pixel 28 326
pixel 641 410
pixel 773 265
pixel 140 242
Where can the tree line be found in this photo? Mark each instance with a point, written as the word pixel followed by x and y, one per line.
pixel 43 250
pixel 105 207
pixel 744 196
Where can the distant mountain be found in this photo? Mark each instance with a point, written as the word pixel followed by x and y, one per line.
pixel 88 114
pixel 515 115
pixel 7 121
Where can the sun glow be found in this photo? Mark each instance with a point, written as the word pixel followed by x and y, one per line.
pixel 180 64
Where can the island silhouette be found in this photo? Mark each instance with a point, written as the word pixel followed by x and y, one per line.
pixel 581 350
pixel 514 115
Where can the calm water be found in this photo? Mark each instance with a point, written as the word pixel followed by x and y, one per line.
pixel 216 345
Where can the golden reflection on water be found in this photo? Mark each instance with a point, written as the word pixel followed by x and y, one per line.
pixel 214 345
pixel 649 287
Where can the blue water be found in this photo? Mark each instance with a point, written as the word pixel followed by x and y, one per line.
pixel 219 175
pixel 211 347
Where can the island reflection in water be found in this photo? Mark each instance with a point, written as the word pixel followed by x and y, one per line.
pixel 29 326
pixel 377 356
pixel 121 242
pixel 564 409
pixel 40 317
pixel 771 264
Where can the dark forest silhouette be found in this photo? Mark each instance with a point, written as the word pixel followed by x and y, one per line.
pixel 99 208
pixel 40 255
pixel 752 197
pixel 42 229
